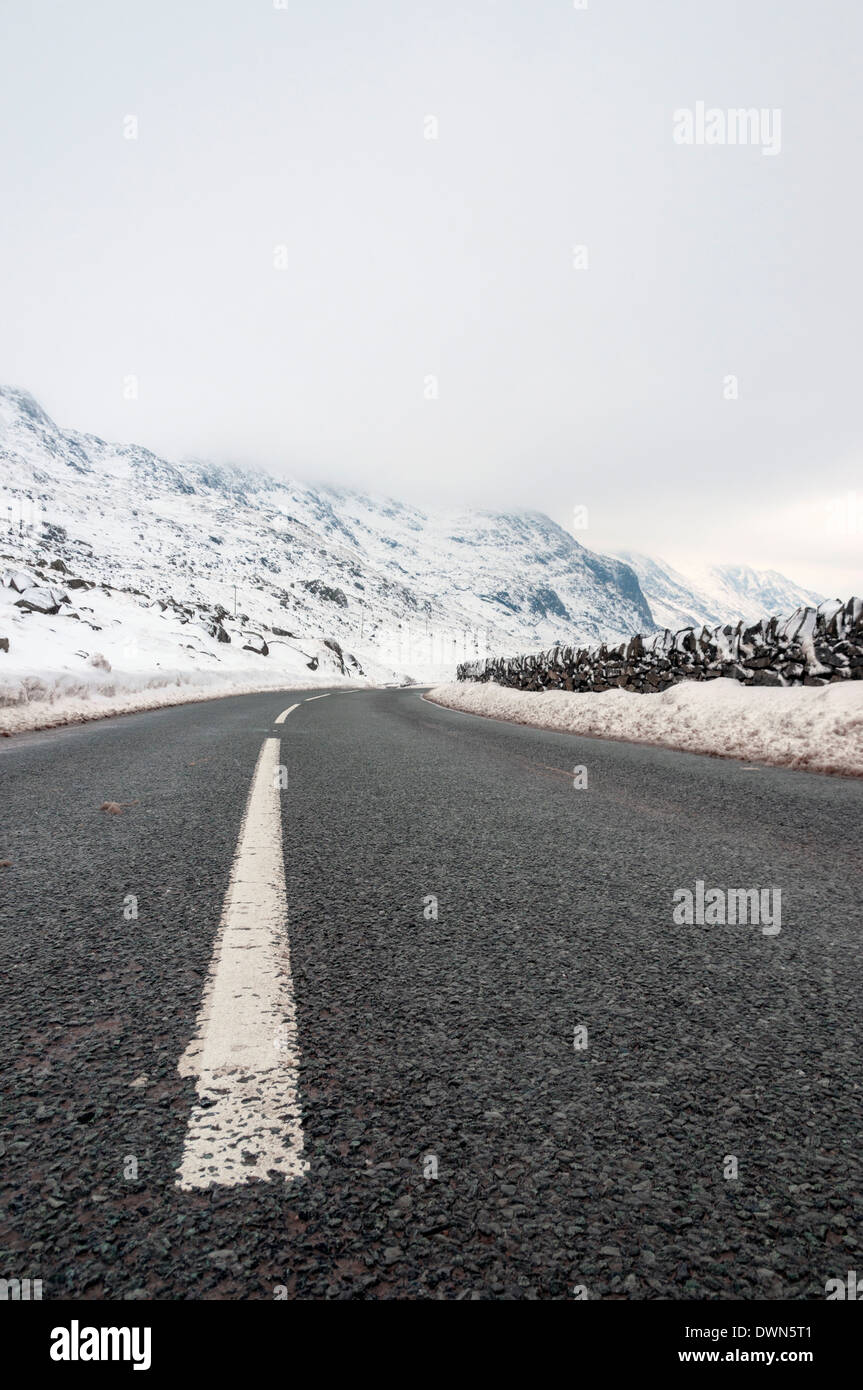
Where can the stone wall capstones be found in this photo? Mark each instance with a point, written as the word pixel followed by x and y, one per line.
pixel 813 646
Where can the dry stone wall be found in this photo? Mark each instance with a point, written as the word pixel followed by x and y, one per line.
pixel 813 646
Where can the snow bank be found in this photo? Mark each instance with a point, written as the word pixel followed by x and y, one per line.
pixel 819 729
pixel 111 654
pixel 47 701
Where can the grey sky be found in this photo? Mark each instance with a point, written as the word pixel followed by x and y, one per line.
pixel 409 257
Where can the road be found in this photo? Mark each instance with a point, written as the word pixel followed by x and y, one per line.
pixel 456 909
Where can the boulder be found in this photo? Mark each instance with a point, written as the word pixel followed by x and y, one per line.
pixel 19 581
pixel 39 601
pixel 254 642
pixel 334 647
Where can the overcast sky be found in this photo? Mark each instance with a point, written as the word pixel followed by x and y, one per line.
pixel 299 277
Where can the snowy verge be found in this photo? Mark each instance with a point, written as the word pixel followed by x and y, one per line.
pixel 48 701
pixel 816 728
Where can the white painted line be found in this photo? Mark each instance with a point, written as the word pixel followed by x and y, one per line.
pixel 316 697
pixel 280 719
pixel 246 1122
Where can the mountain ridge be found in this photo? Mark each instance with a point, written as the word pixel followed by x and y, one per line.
pixel 716 594
pixel 410 590
pixel 460 575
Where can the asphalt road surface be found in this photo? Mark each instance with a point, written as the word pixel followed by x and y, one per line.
pixel 501 1069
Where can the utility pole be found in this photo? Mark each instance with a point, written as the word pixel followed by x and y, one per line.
pixel 235 600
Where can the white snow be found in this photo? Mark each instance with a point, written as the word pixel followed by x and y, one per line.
pixel 118 656
pixel 49 703
pixel 146 558
pixel 109 652
pixel 409 592
pixel 714 594
pixel 816 728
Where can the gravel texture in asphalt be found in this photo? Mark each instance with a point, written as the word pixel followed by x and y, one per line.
pixel 458 908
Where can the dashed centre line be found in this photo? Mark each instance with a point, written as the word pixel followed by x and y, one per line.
pixel 245 1054
pixel 247 1121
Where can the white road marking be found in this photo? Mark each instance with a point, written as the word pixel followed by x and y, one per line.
pixel 316 697
pixel 247 1120
pixel 280 718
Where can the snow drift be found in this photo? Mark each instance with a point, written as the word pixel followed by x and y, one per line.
pixel 819 729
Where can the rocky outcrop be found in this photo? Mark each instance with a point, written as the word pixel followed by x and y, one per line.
pixel 814 646
pixel 215 628
pixel 345 661
pixel 325 591
pixel 335 648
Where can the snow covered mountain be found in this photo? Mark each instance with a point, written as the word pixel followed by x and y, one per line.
pixel 717 594
pixel 208 569
pixel 122 570
pixel 753 593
